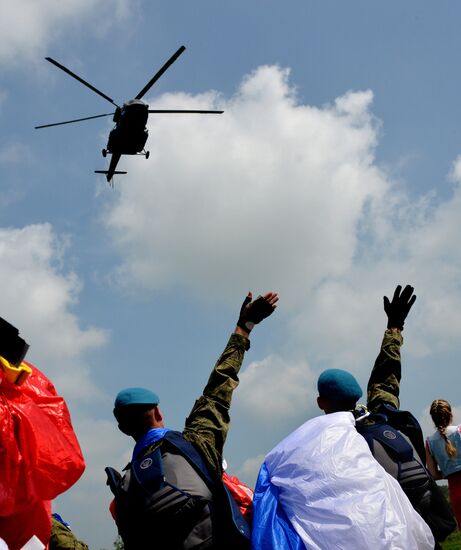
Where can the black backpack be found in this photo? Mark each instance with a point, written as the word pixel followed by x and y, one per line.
pixel 153 513
pixel 396 441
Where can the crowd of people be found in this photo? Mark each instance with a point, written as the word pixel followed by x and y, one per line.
pixel 357 477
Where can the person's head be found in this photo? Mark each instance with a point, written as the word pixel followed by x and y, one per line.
pixel 338 391
pixel 441 413
pixel 442 417
pixel 136 411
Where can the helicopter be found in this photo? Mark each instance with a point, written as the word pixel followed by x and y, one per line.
pixel 129 135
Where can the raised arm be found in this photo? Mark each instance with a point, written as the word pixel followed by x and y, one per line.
pixel 384 383
pixel 208 423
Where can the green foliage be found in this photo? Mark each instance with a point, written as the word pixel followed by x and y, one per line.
pixel 117 544
pixel 453 542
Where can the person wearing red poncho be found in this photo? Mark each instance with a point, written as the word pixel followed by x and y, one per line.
pixel 40 456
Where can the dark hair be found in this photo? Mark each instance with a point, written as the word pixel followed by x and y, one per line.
pixel 441 415
pixel 132 412
pixel 340 405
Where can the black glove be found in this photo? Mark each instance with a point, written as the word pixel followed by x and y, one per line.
pixel 252 313
pixel 398 309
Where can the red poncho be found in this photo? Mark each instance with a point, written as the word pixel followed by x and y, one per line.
pixel 40 457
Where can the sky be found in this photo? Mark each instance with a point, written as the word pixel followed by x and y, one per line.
pixel 333 175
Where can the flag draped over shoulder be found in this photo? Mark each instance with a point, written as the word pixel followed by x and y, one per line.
pixel 321 488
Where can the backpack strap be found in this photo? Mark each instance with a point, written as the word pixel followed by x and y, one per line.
pixel 113 480
pixel 147 470
pixel 390 438
pixel 410 472
pixel 219 489
pixel 406 423
pixel 190 453
pixel 237 516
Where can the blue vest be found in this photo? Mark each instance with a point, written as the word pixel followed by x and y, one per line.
pixel 436 442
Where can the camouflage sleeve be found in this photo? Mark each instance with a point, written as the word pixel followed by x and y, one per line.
pixel 384 383
pixel 208 422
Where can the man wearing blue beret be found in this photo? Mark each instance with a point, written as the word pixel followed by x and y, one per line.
pixel 321 487
pixel 338 391
pixel 171 496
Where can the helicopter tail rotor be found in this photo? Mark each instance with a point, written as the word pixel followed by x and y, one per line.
pixel 106 172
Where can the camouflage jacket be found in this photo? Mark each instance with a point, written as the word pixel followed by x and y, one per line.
pixel 208 422
pixel 384 383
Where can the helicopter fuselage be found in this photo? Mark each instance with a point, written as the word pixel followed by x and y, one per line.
pixel 129 135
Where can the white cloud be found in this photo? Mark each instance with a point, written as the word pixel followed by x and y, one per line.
pixel 249 470
pixel 266 195
pixel 27 26
pixel 419 248
pixel 37 297
pixel 289 388
pixel 14 152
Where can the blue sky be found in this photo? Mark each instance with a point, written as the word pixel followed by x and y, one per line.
pixel 332 176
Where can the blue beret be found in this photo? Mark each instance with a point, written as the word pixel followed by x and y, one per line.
pixel 135 396
pixel 338 385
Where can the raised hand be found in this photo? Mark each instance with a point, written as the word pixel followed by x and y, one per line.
pixel 398 309
pixel 253 312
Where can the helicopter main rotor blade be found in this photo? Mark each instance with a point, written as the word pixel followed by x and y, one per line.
pixel 185 111
pixel 154 79
pixel 84 82
pixel 70 121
